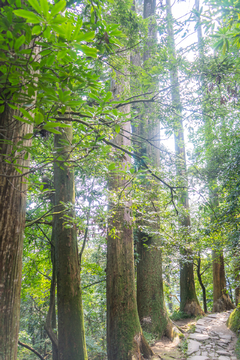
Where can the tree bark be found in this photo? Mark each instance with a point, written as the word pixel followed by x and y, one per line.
pixel 13 189
pixel 189 302
pixel 71 337
pixel 150 297
pixel 124 334
pixel 221 300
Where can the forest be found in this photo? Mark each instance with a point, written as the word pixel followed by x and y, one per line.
pixel 119 173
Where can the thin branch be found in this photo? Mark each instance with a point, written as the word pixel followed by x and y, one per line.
pixel 31 349
pixel 96 282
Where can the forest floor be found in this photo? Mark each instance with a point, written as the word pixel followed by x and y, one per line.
pixel 205 339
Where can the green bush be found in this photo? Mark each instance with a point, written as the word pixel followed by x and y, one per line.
pixel 178 315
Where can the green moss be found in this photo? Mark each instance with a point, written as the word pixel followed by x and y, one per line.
pixel 234 324
pixel 237 349
pixel 234 320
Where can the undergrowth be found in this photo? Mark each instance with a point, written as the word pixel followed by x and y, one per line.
pixel 178 315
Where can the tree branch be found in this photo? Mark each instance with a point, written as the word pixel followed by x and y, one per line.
pixel 31 349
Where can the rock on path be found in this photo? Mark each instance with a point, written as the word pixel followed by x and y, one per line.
pixel 212 339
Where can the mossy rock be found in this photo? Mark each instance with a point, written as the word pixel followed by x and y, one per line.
pixel 234 320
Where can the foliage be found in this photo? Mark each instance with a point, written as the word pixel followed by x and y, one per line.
pixel 178 315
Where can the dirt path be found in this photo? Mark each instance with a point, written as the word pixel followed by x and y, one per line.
pixel 210 339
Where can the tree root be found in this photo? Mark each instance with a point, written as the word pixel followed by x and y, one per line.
pixel 222 304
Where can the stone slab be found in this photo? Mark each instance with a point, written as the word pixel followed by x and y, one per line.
pixel 226 337
pixel 193 346
pixel 198 357
pixel 212 316
pixel 223 352
pixel 201 322
pixel 224 358
pixel 199 337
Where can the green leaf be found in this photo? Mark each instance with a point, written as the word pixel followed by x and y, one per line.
pixel 30 16
pixel 50 60
pixel 14 107
pixel 35 5
pixel 88 36
pixel 77 29
pixel 88 51
pixel 2 107
pixel 9 35
pixel 52 130
pixel 74 102
pixel 36 30
pixel 28 136
pixel 19 42
pixel 55 124
pixel 68 31
pixel 59 19
pixel 45 7
pixel 111 166
pixel 117 128
pixel 26 113
pixel 38 118
pixel 22 119
pixel 45 52
pixel 26 155
pixel 58 7
pixel 108 96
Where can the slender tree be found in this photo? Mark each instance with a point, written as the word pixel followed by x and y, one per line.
pixel 71 337
pixel 189 302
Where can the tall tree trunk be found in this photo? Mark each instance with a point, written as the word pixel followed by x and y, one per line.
pixel 189 302
pixel 71 337
pixel 150 298
pixel 13 189
pixel 124 334
pixel 221 300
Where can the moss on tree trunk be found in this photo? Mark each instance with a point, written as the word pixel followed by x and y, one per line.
pixel 150 298
pixel 124 334
pixel 71 338
pixel 189 302
pixel 221 300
